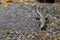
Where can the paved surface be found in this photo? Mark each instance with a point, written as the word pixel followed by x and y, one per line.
pixel 19 22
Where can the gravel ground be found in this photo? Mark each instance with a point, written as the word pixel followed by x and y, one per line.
pixel 21 22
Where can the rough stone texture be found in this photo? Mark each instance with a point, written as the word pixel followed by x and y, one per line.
pixel 19 22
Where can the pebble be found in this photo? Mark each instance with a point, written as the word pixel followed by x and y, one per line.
pixel 11 33
pixel 8 38
pixel 14 38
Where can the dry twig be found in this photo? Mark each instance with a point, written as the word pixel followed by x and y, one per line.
pixel 42 19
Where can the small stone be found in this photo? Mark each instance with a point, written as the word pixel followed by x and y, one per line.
pixel 17 33
pixel 11 36
pixel 11 33
pixel 8 38
pixel 33 36
pixel 14 38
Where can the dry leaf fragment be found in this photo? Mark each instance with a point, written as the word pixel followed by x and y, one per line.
pixel 5 5
pixel 9 1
